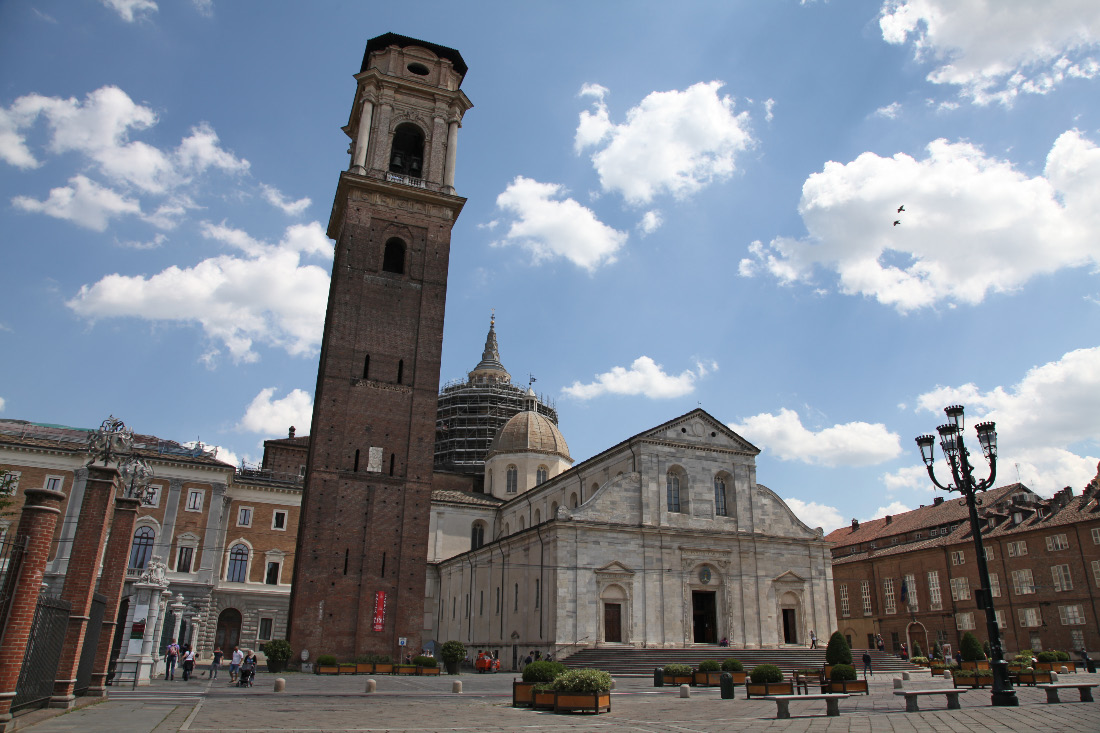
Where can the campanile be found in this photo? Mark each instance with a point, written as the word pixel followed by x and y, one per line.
pixel 359 572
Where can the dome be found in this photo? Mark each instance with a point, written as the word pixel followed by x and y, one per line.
pixel 530 432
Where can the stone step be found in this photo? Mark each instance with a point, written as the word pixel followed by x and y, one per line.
pixel 629 660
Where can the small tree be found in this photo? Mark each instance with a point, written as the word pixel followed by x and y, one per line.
pixel 917 651
pixel 452 652
pixel 937 653
pixel 970 648
pixel 762 673
pixel 843 673
pixel 838 651
pixel 278 654
pixel 732 665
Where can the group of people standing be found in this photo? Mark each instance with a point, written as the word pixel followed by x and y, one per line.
pixel 183 657
pixel 242 664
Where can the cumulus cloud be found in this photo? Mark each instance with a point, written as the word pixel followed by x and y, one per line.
pixel 973 224
pixel 276 198
pixel 651 222
pixel 890 111
pixel 850 444
pixel 673 142
pixel 205 8
pixel 644 377
pixel 83 202
pixel 813 514
pixel 549 226
pixel 995 51
pixel 892 508
pixel 266 296
pixel 131 10
pixel 154 243
pixel 2 403
pixel 273 417
pixel 769 107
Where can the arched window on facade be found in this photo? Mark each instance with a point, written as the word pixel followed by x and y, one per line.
pixel 538 516
pixel 542 473
pixel 573 500
pixel 554 510
pixel 672 490
pixel 142 549
pixel 513 479
pixel 477 535
pixel 393 259
pixel 237 572
pixel 523 523
pixel 720 496
pixel 407 153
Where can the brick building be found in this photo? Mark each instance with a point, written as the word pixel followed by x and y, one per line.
pixel 912 577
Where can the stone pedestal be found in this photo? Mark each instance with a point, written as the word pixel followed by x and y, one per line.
pixel 136 664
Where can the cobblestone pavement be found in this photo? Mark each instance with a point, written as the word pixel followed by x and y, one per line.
pixel 313 704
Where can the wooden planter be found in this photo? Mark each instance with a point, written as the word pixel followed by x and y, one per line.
pixel 404 669
pixel 937 672
pixel 568 702
pixel 544 700
pixel 851 687
pixel 523 694
pixel 380 668
pixel 826 671
pixel 326 669
pixel 364 668
pixel 973 682
pixel 768 688
pixel 676 680
pixel 427 671
pixel 706 679
pixel 347 668
pixel 1056 666
pixel 982 664
pixel 738 677
pixel 1034 678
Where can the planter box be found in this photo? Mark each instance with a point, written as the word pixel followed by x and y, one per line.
pixel 567 702
pixel 975 665
pixel 326 669
pixel 523 694
pixel 973 682
pixel 364 668
pixel 739 678
pixel 427 671
pixel 404 669
pixel 706 679
pixel 937 672
pixel 676 680
pixel 452 667
pixel 380 668
pixel 769 688
pixel 1034 678
pixel 546 700
pixel 1056 666
pixel 851 687
pixel 347 668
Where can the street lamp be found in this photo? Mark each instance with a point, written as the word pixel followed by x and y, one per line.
pixel 954 449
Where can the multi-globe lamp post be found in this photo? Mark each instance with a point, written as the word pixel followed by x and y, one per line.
pixel 954 449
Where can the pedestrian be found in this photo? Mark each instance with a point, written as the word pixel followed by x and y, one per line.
pixel 216 663
pixel 528 659
pixel 958 658
pixel 904 651
pixel 813 639
pixel 235 664
pixel 188 662
pixel 880 643
pixel 171 656
pixel 867 664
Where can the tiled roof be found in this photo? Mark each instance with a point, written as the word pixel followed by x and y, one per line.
pixel 448 496
pixel 300 440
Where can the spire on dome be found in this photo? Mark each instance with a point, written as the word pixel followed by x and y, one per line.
pixel 490 368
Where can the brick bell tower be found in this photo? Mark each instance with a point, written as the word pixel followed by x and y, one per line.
pixel 359 571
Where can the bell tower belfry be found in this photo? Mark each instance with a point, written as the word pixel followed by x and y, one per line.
pixel 359 572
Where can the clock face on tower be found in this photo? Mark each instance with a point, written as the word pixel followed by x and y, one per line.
pixel 704 575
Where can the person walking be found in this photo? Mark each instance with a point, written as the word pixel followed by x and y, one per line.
pixel 235 664
pixel 867 664
pixel 188 662
pixel 171 656
pixel 813 639
pixel 214 665
pixel 880 643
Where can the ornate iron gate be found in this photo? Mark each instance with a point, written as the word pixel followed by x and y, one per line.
pixel 91 644
pixel 47 638
pixel 11 558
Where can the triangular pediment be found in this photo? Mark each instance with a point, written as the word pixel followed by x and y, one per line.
pixel 789 577
pixel 701 428
pixel 615 568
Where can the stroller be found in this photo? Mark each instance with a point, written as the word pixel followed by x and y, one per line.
pixel 248 672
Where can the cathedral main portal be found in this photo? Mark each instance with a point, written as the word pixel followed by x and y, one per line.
pixel 704 616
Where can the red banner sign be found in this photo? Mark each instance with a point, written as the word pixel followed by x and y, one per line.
pixel 379 610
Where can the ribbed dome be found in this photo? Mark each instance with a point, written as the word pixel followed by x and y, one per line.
pixel 530 431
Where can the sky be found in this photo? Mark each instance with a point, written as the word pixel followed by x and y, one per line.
pixel 670 206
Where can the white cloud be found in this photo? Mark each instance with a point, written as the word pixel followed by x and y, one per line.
pixel 644 377
pixel 850 444
pixel 890 111
pixel 131 10
pixel 2 404
pixel 813 514
pixel 769 107
pixel 13 146
pixel 154 243
pixel 548 226
pixel 994 51
pixel 673 142
pixel 273 417
pixel 973 224
pixel 276 198
pixel 893 508
pixel 650 222
pixel 82 202
pixel 267 296
pixel 1052 408
pixel 205 8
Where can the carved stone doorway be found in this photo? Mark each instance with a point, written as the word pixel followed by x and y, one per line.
pixel 704 616
pixel 612 622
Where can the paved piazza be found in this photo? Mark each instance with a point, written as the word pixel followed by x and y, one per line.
pixel 315 704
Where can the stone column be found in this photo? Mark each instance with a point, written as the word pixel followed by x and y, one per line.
pixel 362 138
pixel 150 648
pixel 382 150
pixel 36 523
pixel 452 157
pixel 177 616
pixel 80 580
pixel 112 579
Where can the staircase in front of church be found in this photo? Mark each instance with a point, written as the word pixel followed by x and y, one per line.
pixel 630 660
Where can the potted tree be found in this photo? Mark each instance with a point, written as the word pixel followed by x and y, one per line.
pixel 837 652
pixel 452 652
pixel 767 679
pixel 583 690
pixel 736 670
pixel 426 666
pixel 972 654
pixel 277 652
pixel 533 674
pixel 677 674
pixel 843 678
pixel 326 664
pixel 708 675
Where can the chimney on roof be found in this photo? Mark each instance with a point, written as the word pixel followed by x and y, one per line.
pixel 291 431
pixel 855 525
pixel 937 501
pixel 889 519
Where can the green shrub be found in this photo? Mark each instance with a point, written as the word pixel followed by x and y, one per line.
pixel 583 681
pixel 709 665
pixel 1047 657
pixel 762 673
pixel 452 651
pixel 838 651
pixel 1062 656
pixel 968 674
pixel 425 661
pixel 919 660
pixel 277 650
pixel 542 671
pixel 382 659
pixel 917 651
pixel 843 673
pixel 677 670
pixel 326 660
pixel 365 659
pixel 543 687
pixel 809 672
pixel 732 665
pixel 970 648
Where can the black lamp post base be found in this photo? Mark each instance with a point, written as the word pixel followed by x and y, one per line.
pixel 1005 698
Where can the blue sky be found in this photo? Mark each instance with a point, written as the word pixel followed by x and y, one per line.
pixel 670 205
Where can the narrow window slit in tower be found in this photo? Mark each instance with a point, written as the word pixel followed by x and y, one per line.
pixel 366 366
pixel 355 468
pixel 383 564
pixel 400 370
pixel 392 457
pixel 346 561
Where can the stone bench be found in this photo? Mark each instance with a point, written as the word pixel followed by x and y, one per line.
pixel 783 702
pixel 911 697
pixel 1085 688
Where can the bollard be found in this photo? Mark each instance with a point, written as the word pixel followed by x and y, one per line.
pixel 658 677
pixel 685 691
pixel 280 684
pixel 898 684
pixel 456 686
pixel 905 676
pixel 612 683
pixel 1065 669
pixel 725 683
pixel 1053 676
pixel 371 685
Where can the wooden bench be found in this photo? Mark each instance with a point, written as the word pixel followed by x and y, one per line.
pixel 783 702
pixel 911 696
pixel 1085 688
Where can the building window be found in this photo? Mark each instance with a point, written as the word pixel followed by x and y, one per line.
pixel 1017 549
pixel 237 571
pixel 934 532
pixel 194 500
pixel 865 591
pixel 272 576
pixel 477 535
pixel 573 500
pixel 1077 639
pixel 999 614
pixel 183 559
pixel 142 548
pixel 1096 572
pixel 719 496
pixel 1096 535
pixel 498 600
pixel 909 593
pixel 1057 542
pixel 964 621
pixel 1072 615
pixel 53 483
pixel 935 600
pixel 512 479
pixel 537 592
pixel 960 589
pixel 988 553
pixel 888 595
pixel 393 260
pixel 244 516
pixel 278 520
pixel 515 598
pixel 152 496
pixel 542 473
pixel 1022 582
pixel 994 586
pixel 672 488
pixel 844 610
pixel 958 558
pixel 1062 578
pixel 265 629
pixel 1030 617
pixel 918 535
